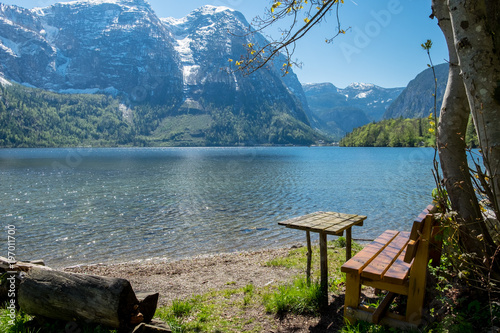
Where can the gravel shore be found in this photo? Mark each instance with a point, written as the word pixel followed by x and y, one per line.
pixel 185 278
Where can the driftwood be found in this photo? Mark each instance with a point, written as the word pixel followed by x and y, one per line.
pixel 14 271
pixel 155 326
pixel 110 302
pixel 20 266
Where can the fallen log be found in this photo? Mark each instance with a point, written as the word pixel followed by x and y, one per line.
pixel 20 266
pixel 12 272
pixel 110 302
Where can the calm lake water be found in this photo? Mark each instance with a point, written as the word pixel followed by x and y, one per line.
pixel 80 206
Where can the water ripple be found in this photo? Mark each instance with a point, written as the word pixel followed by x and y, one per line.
pixel 128 204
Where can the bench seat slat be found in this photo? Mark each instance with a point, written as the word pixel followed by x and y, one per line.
pixel 399 270
pixel 420 217
pixel 377 267
pixel 363 257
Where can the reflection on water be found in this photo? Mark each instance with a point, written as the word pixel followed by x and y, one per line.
pixel 74 206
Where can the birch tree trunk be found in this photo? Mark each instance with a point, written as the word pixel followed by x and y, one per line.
pixel 453 120
pixel 476 33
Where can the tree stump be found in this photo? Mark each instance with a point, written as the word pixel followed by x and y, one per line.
pixel 147 304
pixel 110 302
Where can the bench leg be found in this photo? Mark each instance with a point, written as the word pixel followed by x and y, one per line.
pixel 352 296
pixel 414 308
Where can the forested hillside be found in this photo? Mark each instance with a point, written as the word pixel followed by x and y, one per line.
pixel 32 117
pixel 36 118
pixel 398 133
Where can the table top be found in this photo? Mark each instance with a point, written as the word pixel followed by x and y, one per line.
pixel 332 223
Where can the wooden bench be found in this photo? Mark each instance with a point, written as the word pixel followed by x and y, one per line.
pixel 396 262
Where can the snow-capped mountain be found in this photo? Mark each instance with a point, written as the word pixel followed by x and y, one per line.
pixel 205 40
pixel 122 48
pixel 116 47
pixel 372 99
pixel 341 110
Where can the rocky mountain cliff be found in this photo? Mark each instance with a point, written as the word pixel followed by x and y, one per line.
pixel 114 47
pixel 171 69
pixel 417 100
pixel 341 110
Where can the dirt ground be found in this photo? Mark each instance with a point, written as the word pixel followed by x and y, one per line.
pixel 185 278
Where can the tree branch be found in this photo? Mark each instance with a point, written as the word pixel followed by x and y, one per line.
pixel 258 56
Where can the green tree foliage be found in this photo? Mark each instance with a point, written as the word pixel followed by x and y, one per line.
pixel 36 118
pixel 251 127
pixel 398 133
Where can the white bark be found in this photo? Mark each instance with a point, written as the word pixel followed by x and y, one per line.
pixel 474 39
pixel 453 120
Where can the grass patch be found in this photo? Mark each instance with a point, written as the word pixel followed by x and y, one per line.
pixel 228 310
pixel 22 324
pixel 297 298
pixel 181 308
pixel 297 259
pixel 255 309
pixel 18 324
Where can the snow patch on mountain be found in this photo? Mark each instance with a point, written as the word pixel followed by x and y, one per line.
pixel 361 86
pixel 121 47
pixel 362 95
pixel 183 47
pixel 4 82
pixel 129 3
pixel 9 46
pixel 49 32
pixel 210 10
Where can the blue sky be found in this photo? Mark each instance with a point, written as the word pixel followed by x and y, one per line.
pixel 382 47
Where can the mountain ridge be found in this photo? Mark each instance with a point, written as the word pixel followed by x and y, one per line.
pixel 164 67
pixel 416 100
pixel 340 110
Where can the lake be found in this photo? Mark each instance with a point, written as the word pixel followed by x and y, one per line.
pixel 87 205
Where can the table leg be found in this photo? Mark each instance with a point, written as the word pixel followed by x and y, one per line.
pixel 309 257
pixel 348 244
pixel 324 267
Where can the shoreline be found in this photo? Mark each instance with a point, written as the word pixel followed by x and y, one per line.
pixel 166 260
pixel 185 278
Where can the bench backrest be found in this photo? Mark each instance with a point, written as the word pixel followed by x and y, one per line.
pixel 422 234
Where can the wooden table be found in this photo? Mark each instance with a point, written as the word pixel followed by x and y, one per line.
pixel 325 223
